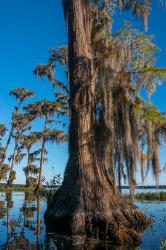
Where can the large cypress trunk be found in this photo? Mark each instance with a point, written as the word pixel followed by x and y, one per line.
pixel 88 201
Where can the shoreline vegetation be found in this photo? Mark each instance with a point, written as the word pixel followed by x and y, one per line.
pixel 143 196
pixel 151 196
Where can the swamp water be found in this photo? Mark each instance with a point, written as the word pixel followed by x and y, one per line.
pixel 22 226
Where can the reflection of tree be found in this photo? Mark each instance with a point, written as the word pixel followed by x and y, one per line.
pixel 39 228
pixel 9 205
pixel 17 228
pixel 28 209
pixel 81 242
pixel 14 239
pixel 2 211
pixel 31 206
pixel 12 225
pixel 21 240
pixel 18 235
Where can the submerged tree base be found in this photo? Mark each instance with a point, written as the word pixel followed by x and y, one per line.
pixel 121 223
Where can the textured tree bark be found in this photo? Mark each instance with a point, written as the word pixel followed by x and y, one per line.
pixel 88 202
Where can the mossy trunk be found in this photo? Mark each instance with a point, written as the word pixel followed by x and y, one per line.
pixel 88 202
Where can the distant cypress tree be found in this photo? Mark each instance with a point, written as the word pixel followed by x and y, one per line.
pixel 48 110
pixel 21 94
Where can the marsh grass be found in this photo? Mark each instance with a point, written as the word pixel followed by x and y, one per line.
pixel 16 188
pixel 159 196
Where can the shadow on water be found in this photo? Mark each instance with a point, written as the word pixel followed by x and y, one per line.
pixel 22 227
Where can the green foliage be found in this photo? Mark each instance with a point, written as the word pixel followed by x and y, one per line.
pixel 4 171
pixel 21 94
pixel 148 111
pixel 31 169
pixel 2 209
pixel 138 8
pixel 31 181
pixel 11 178
pixel 2 130
pixel 54 135
pixel 58 55
pixel 136 56
pixel 44 108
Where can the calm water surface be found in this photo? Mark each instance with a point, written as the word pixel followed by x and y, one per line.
pixel 22 226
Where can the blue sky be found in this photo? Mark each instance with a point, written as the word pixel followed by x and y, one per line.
pixel 28 28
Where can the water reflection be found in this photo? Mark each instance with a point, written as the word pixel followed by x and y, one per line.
pixel 22 227
pixel 81 243
pixel 23 223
